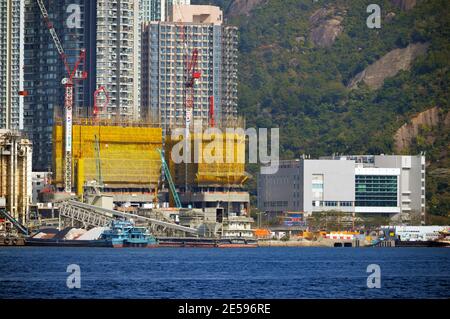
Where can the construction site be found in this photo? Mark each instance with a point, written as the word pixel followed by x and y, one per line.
pixel 125 170
pixel 107 165
pixel 116 158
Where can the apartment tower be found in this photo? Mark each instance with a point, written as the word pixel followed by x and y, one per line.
pixel 109 31
pixel 167 49
pixel 11 64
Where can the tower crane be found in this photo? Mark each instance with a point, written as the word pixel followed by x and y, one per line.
pixel 68 82
pixel 96 94
pixel 191 75
pixel 212 122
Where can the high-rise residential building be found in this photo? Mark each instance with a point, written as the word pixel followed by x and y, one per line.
pixel 117 65
pixel 167 49
pixel 158 10
pixel 11 63
pixel 44 71
pixel 363 184
pixel 109 31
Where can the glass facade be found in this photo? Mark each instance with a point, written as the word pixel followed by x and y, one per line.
pixel 376 191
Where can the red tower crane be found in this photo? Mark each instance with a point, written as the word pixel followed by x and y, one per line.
pixel 191 75
pixel 73 74
pixel 97 92
pixel 212 121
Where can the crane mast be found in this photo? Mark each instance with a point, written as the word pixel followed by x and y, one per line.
pixel 97 92
pixel 191 75
pixel 68 96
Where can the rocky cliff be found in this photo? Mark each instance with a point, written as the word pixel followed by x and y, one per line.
pixel 389 65
pixel 243 7
pixel 326 26
pixel 408 131
pixel 404 5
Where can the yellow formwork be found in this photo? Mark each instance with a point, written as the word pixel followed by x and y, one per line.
pixel 128 155
pixel 222 163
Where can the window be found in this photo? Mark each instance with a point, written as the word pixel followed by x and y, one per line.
pixel 346 204
pixel 317 186
pixel 376 191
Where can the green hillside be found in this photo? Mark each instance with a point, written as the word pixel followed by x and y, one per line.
pixel 287 81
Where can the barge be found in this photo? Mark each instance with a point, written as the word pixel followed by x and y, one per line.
pixel 120 234
pixel 421 243
pixel 207 242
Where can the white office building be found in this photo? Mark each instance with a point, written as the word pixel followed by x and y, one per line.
pixel 363 184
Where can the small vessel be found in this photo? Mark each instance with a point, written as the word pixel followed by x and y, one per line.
pixel 125 234
pixel 119 234
pixel 207 242
pixel 237 243
pixel 420 243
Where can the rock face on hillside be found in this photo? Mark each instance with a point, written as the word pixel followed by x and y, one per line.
pixel 326 26
pixel 389 65
pixel 243 7
pixel 404 5
pixel 408 131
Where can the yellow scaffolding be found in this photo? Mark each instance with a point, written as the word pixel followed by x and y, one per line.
pixel 128 155
pixel 222 162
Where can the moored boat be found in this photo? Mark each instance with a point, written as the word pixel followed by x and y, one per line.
pixel 207 242
pixel 125 234
pixel 119 234
pixel 237 243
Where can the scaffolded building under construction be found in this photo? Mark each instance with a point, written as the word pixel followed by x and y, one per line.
pixel 119 156
pixel 216 178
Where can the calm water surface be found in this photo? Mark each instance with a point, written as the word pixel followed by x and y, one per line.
pixel 32 272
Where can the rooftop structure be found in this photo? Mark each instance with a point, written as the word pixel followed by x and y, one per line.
pixel 199 14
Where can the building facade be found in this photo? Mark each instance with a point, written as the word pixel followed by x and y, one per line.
pixel 167 49
pixel 110 34
pixel 117 57
pixel 44 71
pixel 380 184
pixel 11 63
pixel 158 10
pixel 39 180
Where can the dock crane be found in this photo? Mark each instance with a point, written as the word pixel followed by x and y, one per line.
pixel 68 82
pixel 170 180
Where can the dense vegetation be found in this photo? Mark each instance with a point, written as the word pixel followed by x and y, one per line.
pixel 287 82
